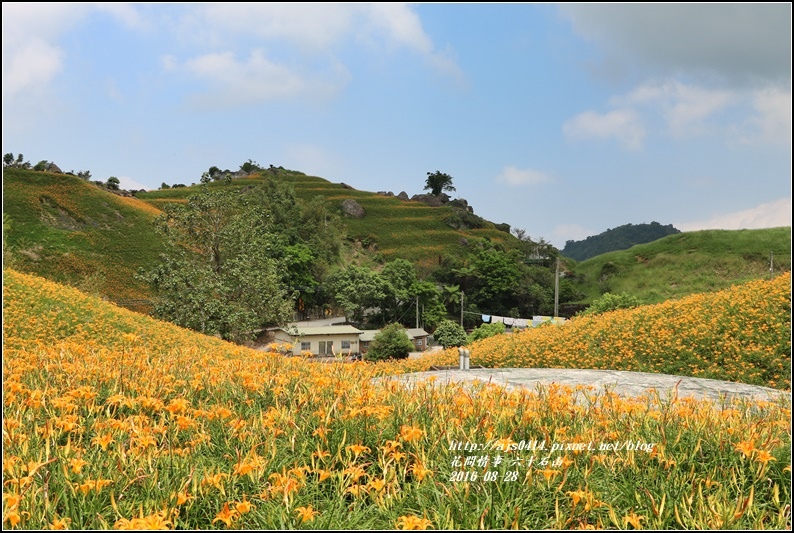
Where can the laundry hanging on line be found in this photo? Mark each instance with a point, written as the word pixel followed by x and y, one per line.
pixel 522 322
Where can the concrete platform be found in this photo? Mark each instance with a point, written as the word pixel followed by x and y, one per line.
pixel 627 384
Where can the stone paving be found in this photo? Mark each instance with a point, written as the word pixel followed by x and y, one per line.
pixel 624 383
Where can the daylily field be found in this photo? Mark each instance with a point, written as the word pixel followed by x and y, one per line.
pixel 112 419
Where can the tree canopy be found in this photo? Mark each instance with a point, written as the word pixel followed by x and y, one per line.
pixel 218 275
pixel 437 182
pixel 620 238
pixel 450 333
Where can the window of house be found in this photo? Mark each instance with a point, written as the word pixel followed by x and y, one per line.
pixel 306 346
pixel 365 344
pixel 345 345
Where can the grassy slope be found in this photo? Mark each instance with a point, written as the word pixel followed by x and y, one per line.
pixel 686 263
pixel 70 231
pixel 408 230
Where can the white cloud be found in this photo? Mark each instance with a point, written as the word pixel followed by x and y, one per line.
pixel 124 12
pixel 256 79
pixel 310 26
pixel 687 110
pixel 320 29
pixel 32 55
pixel 402 27
pixel 31 59
pixel 768 215
pixel 684 107
pixel 129 184
pixel 773 115
pixel 622 124
pixel 516 176
pixel 30 68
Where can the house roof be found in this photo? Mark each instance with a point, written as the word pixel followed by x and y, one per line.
pixel 368 334
pixel 413 333
pixel 322 330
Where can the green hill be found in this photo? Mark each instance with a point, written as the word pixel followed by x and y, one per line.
pixel 68 230
pixel 620 238
pixel 390 226
pixel 685 263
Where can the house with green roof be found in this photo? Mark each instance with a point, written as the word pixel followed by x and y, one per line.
pixel 319 340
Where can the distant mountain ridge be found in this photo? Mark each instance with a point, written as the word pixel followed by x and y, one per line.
pixel 620 238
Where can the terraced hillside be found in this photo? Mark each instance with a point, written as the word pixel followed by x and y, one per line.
pixel 68 230
pixel 390 226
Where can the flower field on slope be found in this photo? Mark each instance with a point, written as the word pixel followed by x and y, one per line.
pixel 739 334
pixel 114 420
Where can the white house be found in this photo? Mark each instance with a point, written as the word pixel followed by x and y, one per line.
pixel 322 340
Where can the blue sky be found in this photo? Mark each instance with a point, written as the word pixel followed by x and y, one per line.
pixel 563 120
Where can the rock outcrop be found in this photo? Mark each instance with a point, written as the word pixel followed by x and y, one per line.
pixel 352 208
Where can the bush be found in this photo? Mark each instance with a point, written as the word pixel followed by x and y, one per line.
pixel 391 342
pixel 485 331
pixel 610 302
pixel 450 333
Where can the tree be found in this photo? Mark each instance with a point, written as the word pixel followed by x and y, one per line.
pixel 437 182
pixel 401 277
pixel 391 342
pixel 609 302
pixel 164 186
pixel 450 333
pixel 41 166
pixel 499 275
pixel 250 166
pixel 357 289
pixel 486 330
pixel 84 174
pixel 113 183
pixel 218 276
pixel 430 300
pixel 8 161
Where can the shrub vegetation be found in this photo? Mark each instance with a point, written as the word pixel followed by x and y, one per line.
pixel 391 342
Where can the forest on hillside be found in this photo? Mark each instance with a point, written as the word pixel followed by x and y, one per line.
pixel 620 238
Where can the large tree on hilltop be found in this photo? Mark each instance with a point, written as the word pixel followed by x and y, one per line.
pixel 437 182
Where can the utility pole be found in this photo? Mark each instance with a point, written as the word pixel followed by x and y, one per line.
pixel 417 312
pixel 557 288
pixel 461 309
